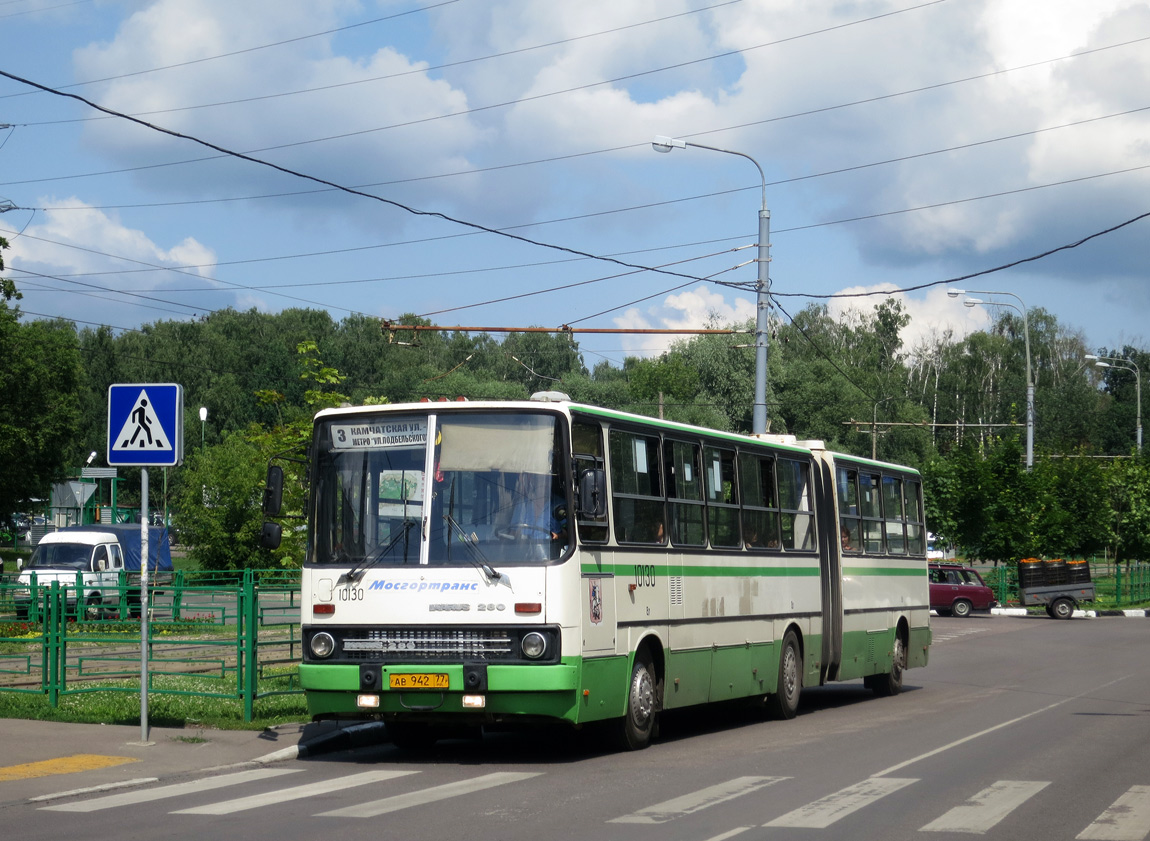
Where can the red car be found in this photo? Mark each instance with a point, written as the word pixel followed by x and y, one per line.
pixel 958 590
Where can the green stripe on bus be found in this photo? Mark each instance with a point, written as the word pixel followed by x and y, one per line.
pixel 704 571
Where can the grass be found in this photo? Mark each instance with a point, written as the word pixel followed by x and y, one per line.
pixel 119 703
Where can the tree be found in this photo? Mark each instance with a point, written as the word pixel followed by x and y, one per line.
pixel 218 503
pixel 39 406
pixel 1128 481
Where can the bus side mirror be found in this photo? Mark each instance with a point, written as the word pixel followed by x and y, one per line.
pixel 593 494
pixel 271 535
pixel 274 491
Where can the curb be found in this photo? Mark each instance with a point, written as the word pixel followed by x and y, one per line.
pixel 363 734
pixel 1078 614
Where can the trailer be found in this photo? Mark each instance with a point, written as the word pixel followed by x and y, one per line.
pixel 1061 586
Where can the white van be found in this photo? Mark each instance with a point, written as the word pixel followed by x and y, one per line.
pixel 94 558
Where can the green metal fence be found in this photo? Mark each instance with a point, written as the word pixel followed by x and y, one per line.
pixel 228 636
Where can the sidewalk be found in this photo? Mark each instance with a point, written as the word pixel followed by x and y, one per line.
pixel 44 758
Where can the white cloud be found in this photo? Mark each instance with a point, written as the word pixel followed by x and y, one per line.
pixel 72 247
pixel 932 315
pixel 176 31
pixel 695 309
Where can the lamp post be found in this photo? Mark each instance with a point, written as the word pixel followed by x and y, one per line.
pixel 762 287
pixel 203 420
pixel 874 427
pixel 1125 365
pixel 1020 308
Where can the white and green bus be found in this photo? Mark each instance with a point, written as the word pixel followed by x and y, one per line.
pixel 480 563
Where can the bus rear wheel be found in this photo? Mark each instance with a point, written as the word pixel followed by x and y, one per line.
pixel 890 683
pixel 784 703
pixel 639 723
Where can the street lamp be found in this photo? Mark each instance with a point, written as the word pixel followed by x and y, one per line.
pixel 1129 365
pixel 203 420
pixel 874 426
pixel 762 287
pixel 1020 308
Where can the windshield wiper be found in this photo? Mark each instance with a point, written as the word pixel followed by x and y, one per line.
pixel 375 557
pixel 471 543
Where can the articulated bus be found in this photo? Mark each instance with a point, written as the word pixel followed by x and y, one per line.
pixel 485 563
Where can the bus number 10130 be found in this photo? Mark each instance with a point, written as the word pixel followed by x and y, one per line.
pixel 644 575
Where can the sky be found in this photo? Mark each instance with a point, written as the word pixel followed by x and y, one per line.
pixel 490 162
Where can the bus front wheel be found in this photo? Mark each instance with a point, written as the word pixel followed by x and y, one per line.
pixel 784 703
pixel 638 726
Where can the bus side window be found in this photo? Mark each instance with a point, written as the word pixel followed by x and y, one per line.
pixel 722 497
pixel 850 523
pixel 760 505
pixel 795 502
pixel 685 493
pixel 915 529
pixel 871 512
pixel 894 521
pixel 636 488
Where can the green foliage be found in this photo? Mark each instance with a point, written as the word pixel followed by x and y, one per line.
pixel 39 406
pixel 218 503
pixel 1129 497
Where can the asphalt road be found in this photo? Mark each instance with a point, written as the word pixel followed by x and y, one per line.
pixel 1019 729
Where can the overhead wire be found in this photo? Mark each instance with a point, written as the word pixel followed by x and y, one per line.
pixel 709 132
pixel 479 227
pixel 245 50
pixel 415 71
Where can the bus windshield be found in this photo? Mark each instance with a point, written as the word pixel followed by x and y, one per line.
pixel 474 488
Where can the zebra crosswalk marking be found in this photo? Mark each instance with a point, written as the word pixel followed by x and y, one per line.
pixel 834 807
pixel 698 800
pixel 1127 819
pixel 129 798
pixel 428 795
pixel 283 795
pixel 987 808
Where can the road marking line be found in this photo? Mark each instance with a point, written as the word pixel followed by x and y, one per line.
pixel 696 801
pixel 175 790
pixel 429 795
pixel 283 795
pixel 825 811
pixel 738 830
pixel 1128 819
pixel 983 811
pixel 62 765
pixel 76 792
pixel 996 728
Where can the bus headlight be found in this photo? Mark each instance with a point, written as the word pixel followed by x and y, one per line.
pixel 533 645
pixel 322 645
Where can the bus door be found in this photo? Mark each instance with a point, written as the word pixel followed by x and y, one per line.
pixel 830 566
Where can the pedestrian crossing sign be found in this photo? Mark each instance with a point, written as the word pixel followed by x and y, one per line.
pixel 145 425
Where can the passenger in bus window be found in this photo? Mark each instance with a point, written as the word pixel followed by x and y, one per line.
pixel 845 533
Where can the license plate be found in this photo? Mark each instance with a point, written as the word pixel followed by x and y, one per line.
pixel 420 680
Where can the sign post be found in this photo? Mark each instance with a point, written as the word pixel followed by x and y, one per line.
pixel 145 429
